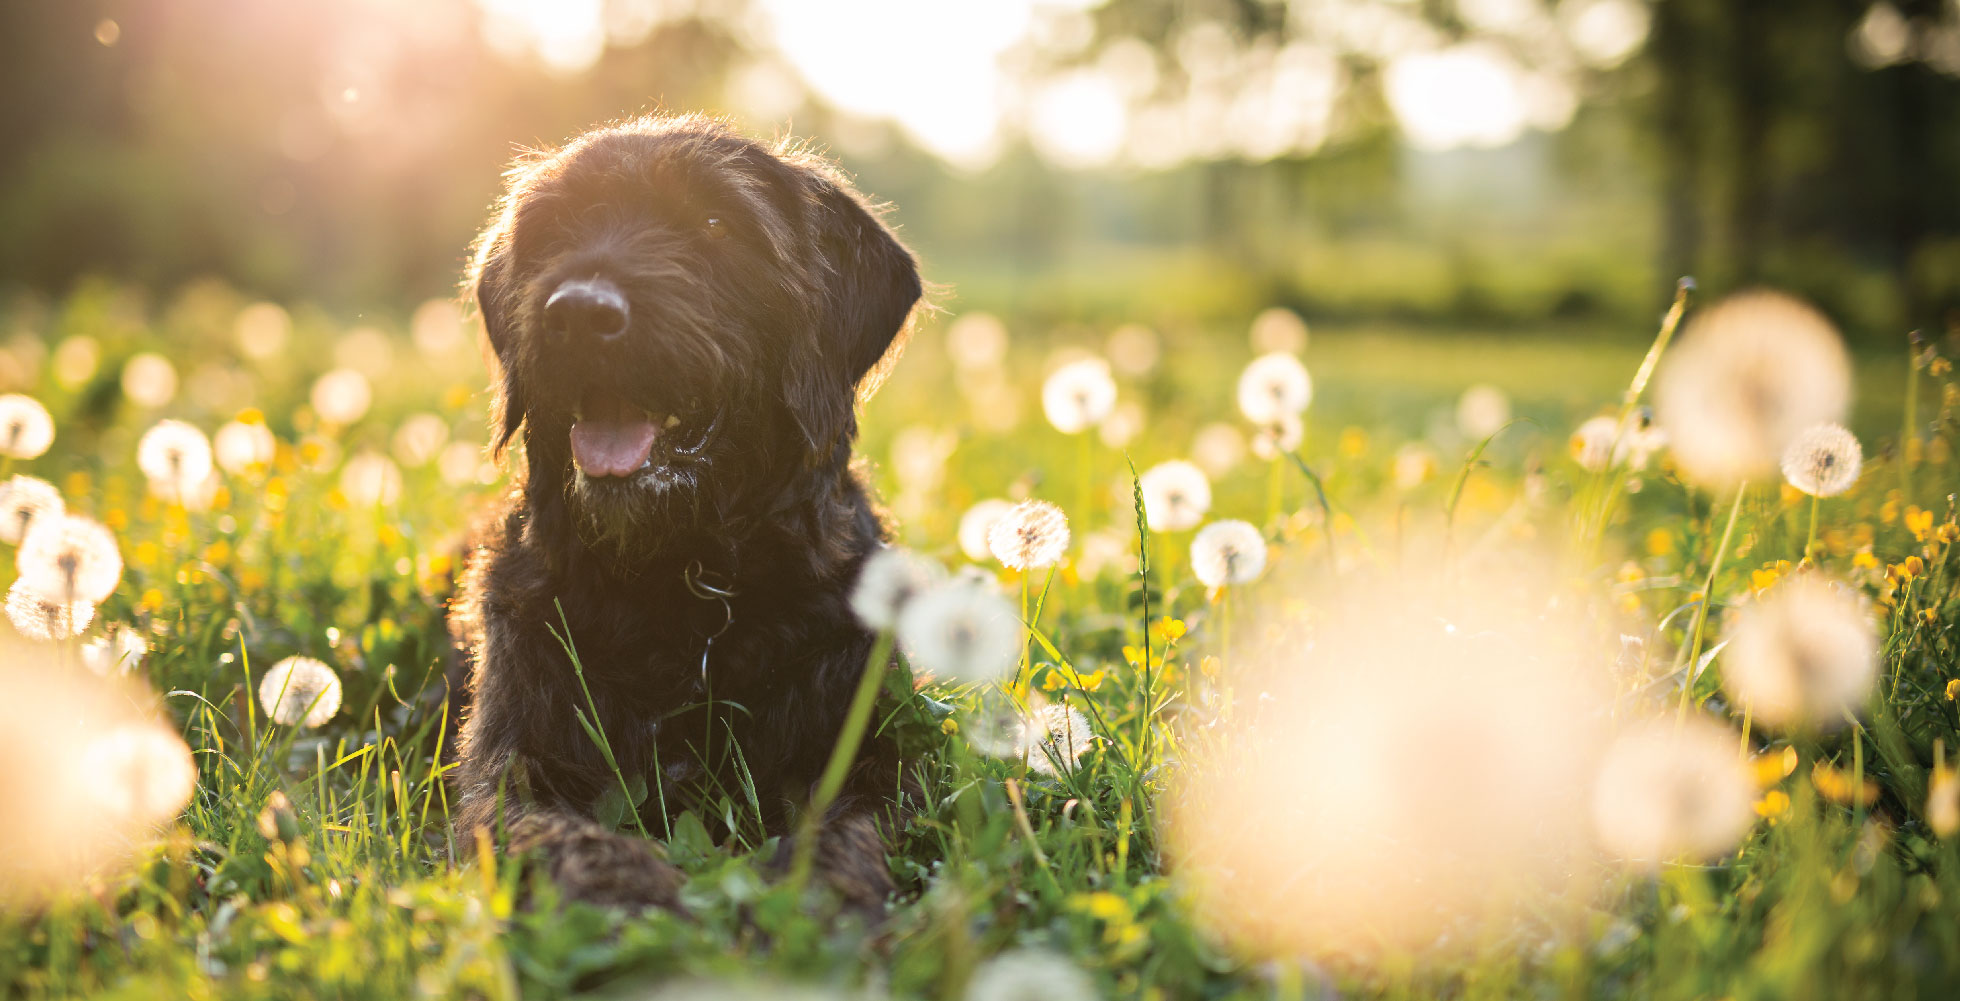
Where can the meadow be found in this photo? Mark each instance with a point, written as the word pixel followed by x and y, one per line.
pixel 1484 699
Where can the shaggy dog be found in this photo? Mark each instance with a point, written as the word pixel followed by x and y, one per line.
pixel 683 319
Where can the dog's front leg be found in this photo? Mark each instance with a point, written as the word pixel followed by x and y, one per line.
pixel 592 864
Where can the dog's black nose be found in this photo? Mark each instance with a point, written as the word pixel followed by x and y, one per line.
pixel 586 307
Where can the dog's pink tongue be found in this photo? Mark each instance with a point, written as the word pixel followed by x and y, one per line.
pixel 613 444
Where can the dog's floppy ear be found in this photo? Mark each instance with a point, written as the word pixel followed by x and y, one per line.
pixel 871 283
pixel 491 276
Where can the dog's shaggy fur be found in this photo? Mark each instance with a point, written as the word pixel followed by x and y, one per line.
pixel 761 292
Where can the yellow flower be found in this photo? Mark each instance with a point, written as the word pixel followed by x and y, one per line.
pixel 948 726
pixel 1167 630
pixel 456 396
pixel 152 601
pixel 1940 367
pixel 1773 806
pixel 1837 786
pixel 1919 522
pixel 1953 689
pixel 1771 766
pixel 1353 444
pixel 1661 542
pixel 1865 560
pixel 116 518
pixel 251 415
pixel 1913 567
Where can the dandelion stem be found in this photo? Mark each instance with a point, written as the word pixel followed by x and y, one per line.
pixel 1593 509
pixel 1908 424
pixel 1327 513
pixel 1811 534
pixel 1708 597
pixel 842 754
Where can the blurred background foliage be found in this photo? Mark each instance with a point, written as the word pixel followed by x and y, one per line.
pixel 1518 163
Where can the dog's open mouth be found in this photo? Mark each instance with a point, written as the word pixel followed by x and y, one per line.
pixel 613 437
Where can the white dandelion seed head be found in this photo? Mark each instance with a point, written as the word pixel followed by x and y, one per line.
pixel 1123 424
pixel 420 439
pixel 371 480
pixel 919 455
pixel 1802 656
pixel 1278 438
pixel 1105 549
pixel 889 581
pixel 1664 793
pixel 438 327
pixel 1218 447
pixel 25 500
pixel 1176 496
pixel 1133 349
pixel 1482 410
pixel 459 462
pixel 1592 444
pixel 1751 374
pixel 36 616
pixel 75 361
pixel 962 632
pixel 341 396
pixel 1228 552
pixel 1278 330
pixel 978 522
pixel 1274 386
pixel 366 350
pixel 26 429
pixel 176 457
pixel 119 650
pixel 149 380
pixel 300 691
pixel 1078 395
pixel 1412 466
pixel 1030 975
pixel 977 342
pixel 70 559
pixel 261 330
pixel 1031 535
pixel 243 448
pixel 1059 735
pixel 139 772
pixel 1823 461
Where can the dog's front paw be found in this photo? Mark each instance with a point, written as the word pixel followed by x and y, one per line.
pixel 596 866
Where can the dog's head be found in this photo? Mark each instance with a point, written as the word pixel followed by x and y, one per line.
pixel 683 318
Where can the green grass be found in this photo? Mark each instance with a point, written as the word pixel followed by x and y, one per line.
pixel 359 888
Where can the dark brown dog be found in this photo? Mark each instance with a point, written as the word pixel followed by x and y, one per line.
pixel 683 318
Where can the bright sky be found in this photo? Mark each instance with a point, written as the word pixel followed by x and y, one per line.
pixel 941 71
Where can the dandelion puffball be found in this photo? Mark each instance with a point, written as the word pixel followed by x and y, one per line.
pixel 1802 655
pixel 1176 496
pixel 1482 410
pixel 1228 552
pixel 36 616
pixel 977 522
pixel 1029 536
pixel 1026 974
pixel 1060 734
pixel 1274 386
pixel 961 631
pixel 889 581
pixel 1133 349
pixel 371 479
pixel 149 380
pixel 977 342
pixel 1218 447
pixel 139 772
pixel 1823 461
pixel 70 559
pixel 341 396
pixel 1278 329
pixel 1281 437
pixel 420 438
pixel 1078 395
pixel 26 430
pixel 1592 444
pixel 261 330
pixel 1751 374
pixel 175 456
pixel 25 500
pixel 300 691
pixel 1665 792
pixel 117 651
pixel 243 447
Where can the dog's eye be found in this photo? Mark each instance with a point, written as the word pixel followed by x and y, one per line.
pixel 715 227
